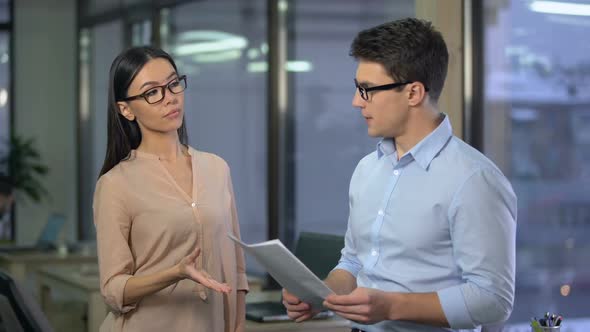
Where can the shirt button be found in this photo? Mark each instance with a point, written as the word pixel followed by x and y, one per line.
pixel 193 204
pixel 380 212
pixel 396 172
pixel 374 253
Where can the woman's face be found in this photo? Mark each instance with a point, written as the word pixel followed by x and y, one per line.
pixel 164 116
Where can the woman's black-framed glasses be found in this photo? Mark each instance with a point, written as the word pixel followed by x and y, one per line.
pixel 157 93
pixel 364 92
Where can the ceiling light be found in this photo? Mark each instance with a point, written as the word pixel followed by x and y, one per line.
pixel 561 8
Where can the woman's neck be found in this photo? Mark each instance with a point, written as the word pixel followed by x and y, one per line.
pixel 165 147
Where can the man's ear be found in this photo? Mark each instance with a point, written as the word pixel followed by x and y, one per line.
pixel 417 94
pixel 125 111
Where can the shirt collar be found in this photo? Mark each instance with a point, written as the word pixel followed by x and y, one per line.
pixel 385 147
pixel 425 151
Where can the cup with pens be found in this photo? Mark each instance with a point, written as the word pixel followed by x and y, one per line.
pixel 549 322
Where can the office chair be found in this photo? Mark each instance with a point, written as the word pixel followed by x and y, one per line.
pixel 24 310
pixel 319 252
pixel 8 319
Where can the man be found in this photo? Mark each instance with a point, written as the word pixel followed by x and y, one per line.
pixel 6 197
pixel 430 243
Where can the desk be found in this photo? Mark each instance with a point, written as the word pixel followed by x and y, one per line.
pixel 20 264
pixel 86 289
pixel 79 287
pixel 335 324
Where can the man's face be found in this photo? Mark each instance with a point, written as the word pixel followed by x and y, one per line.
pixel 386 112
pixel 5 203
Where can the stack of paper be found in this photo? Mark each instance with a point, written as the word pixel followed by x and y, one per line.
pixel 288 271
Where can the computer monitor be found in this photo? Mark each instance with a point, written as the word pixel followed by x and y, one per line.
pixel 50 234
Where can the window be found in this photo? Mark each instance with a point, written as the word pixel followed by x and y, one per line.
pixel 330 134
pixel 99 45
pixel 6 223
pixel 5 78
pixel 5 15
pixel 223 54
pixel 536 120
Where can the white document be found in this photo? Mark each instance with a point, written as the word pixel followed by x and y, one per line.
pixel 288 271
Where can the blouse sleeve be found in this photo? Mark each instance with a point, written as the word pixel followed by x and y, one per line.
pixel 115 260
pixel 242 280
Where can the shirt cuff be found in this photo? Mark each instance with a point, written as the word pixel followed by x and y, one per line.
pixel 350 267
pixel 114 294
pixel 242 282
pixel 453 305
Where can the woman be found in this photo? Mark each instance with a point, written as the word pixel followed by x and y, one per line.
pixel 163 210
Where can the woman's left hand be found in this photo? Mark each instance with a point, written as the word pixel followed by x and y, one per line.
pixel 188 270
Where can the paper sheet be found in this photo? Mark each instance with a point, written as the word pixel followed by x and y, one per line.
pixel 288 271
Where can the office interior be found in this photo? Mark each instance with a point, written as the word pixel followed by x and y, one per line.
pixel 270 85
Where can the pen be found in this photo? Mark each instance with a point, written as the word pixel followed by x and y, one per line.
pixel 549 320
pixel 542 322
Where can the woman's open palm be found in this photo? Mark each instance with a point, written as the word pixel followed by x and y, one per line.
pixel 188 269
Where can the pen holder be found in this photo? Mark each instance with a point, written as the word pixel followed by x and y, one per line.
pixel 545 328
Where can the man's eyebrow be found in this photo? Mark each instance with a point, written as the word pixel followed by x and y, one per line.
pixel 156 83
pixel 364 83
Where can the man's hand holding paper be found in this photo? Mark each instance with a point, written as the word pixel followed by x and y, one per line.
pixel 288 271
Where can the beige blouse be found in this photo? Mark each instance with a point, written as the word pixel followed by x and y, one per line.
pixel 146 223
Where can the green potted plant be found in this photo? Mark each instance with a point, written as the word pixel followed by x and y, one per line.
pixel 22 162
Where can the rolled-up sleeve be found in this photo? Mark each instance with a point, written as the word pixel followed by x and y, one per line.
pixel 242 279
pixel 348 259
pixel 482 219
pixel 113 222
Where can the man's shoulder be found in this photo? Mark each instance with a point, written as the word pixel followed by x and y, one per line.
pixel 367 160
pixel 462 158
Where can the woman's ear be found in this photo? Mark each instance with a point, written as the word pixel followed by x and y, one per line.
pixel 125 111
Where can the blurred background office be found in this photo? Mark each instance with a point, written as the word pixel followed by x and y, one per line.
pixel 270 85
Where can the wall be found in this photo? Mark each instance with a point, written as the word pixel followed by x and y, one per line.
pixel 45 66
pixel 447 17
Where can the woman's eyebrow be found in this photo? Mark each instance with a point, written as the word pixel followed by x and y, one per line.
pixel 156 83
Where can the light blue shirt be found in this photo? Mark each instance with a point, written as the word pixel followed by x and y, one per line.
pixel 441 219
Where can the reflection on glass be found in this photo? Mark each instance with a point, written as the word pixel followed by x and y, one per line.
pixel 225 102
pixel 5 11
pixel 537 125
pixel 330 136
pixel 4 87
pixel 5 222
pixel 99 45
pixel 141 33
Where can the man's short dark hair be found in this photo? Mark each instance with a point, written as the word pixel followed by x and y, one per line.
pixel 5 185
pixel 410 49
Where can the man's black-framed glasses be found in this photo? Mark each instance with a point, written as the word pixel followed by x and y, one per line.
pixel 364 92
pixel 157 93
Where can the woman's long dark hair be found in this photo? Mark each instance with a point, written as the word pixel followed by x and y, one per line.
pixel 125 135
